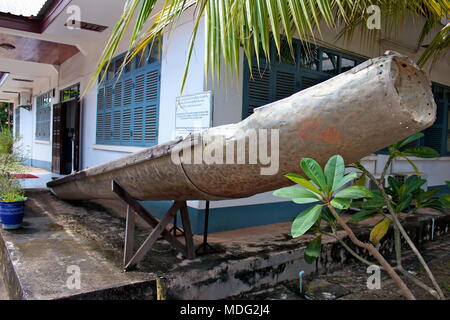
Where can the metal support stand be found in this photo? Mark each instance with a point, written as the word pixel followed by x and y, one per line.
pixel 158 228
pixel 177 232
pixel 205 247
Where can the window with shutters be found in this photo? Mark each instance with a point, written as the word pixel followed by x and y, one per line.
pixel 438 135
pixel 43 116
pixel 295 70
pixel 128 101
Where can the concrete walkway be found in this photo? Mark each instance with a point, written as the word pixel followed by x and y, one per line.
pixel 43 176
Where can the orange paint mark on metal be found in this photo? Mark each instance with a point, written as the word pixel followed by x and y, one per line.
pixel 331 135
pixel 312 130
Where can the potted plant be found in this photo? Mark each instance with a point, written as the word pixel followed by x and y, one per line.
pixel 12 196
pixel 12 202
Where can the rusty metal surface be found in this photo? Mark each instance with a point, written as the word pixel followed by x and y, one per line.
pixel 354 114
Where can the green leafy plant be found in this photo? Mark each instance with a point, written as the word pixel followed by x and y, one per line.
pixel 403 149
pixel 406 197
pixel 10 189
pixel 328 192
pixel 324 189
pixel 11 153
pixel 445 198
pixel 426 199
pixel 398 197
pixel 11 162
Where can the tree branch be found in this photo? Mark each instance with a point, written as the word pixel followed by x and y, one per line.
pixel 402 230
pixel 375 253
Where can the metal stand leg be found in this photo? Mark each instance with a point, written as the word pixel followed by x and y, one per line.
pixel 177 232
pixel 129 236
pixel 205 247
pixel 158 228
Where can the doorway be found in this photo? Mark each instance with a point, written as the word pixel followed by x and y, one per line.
pixel 66 132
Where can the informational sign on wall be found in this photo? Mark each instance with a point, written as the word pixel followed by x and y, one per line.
pixel 193 113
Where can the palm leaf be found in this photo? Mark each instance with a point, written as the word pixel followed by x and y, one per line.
pixel 437 48
pixel 251 24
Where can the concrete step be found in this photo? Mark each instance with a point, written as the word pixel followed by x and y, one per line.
pixel 59 237
pixel 44 260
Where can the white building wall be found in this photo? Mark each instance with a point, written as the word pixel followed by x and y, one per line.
pixel 172 70
pixel 25 130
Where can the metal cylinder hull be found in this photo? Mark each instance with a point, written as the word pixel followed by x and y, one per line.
pixel 354 114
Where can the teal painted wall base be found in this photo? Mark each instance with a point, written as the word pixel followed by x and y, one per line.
pixel 231 218
pixel 41 164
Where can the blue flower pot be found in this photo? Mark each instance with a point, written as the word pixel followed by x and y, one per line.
pixel 11 214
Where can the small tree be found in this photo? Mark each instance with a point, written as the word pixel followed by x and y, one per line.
pixel 387 202
pixel 11 162
pixel 11 153
pixel 397 197
pixel 326 188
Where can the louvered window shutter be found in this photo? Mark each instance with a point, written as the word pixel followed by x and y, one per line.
pixel 151 107
pixel 308 82
pixel 284 77
pixel 259 88
pixel 101 101
pixel 128 103
pixel 433 138
pixel 116 112
pixel 107 120
pixel 285 84
pixel 127 110
pixel 138 108
pixel 436 135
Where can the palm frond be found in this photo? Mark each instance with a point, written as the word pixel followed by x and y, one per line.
pixel 437 48
pixel 253 24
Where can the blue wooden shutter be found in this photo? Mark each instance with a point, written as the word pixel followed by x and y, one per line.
pixel 128 105
pixel 107 121
pixel 152 79
pixel 258 88
pixel 310 81
pixel 127 110
pixel 436 134
pixel 285 84
pixel 281 79
pixel 101 114
pixel 138 108
pixel 116 112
